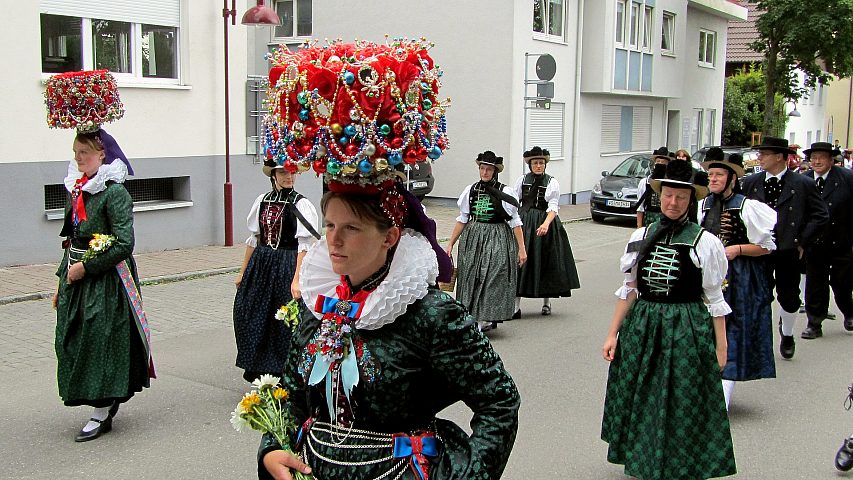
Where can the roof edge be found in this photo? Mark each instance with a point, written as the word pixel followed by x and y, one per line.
pixel 722 8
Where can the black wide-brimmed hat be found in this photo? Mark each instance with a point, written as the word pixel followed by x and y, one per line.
pixel 716 158
pixel 822 147
pixel 681 174
pixel 778 145
pixel 489 158
pixel 536 153
pixel 270 166
pixel 662 152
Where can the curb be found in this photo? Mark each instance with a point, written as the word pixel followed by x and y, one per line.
pixel 178 277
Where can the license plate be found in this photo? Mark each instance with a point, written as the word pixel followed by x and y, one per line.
pixel 618 203
pixel 420 184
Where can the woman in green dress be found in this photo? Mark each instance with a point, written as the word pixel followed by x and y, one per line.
pixel 101 345
pixel 665 415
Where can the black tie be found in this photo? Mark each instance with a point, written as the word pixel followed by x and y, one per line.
pixel 772 189
pixel 819 182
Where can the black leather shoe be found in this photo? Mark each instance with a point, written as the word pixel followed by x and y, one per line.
pixel 516 315
pixel 848 323
pixel 844 457
pixel 103 427
pixel 546 309
pixel 787 346
pixel 812 332
pixel 113 409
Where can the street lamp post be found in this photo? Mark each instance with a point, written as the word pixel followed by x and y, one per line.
pixel 257 15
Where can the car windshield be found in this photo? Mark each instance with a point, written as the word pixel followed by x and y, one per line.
pixel 632 167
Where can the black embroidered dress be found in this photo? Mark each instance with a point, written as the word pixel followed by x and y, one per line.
pixel 749 328
pixel 550 269
pixel 278 236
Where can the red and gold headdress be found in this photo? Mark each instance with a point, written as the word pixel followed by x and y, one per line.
pixel 355 111
pixel 82 100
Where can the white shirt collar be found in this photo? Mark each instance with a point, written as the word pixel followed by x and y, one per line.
pixel 413 269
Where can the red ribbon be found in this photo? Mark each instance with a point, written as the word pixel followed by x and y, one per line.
pixel 344 293
pixel 77 205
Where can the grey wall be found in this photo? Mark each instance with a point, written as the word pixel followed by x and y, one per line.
pixel 27 236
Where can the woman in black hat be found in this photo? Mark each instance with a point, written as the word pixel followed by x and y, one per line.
pixel 283 226
pixel 550 268
pixel 665 415
pixel 648 208
pixel 491 245
pixel 746 229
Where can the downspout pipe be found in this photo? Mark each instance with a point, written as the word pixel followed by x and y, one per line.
pixel 576 109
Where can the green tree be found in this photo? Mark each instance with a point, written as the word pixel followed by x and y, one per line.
pixel 743 107
pixel 812 37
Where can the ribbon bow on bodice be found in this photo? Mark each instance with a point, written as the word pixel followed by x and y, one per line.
pixel 417 448
pixel 78 208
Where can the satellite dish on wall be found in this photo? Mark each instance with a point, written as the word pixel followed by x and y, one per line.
pixel 546 67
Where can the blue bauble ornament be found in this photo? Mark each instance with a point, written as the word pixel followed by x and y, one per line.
pixel 303 114
pixel 434 152
pixel 349 78
pixel 395 158
pixel 343 140
pixel 365 166
pixel 349 130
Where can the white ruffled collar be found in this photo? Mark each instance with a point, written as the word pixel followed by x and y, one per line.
pixel 115 171
pixel 413 269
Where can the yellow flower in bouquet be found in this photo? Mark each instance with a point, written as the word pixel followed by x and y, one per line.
pixel 263 409
pixel 289 314
pixel 98 244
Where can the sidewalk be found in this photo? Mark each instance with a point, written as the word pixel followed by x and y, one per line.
pixel 33 282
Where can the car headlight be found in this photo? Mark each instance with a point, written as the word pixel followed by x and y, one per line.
pixel 596 189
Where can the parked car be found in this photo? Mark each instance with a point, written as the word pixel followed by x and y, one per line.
pixel 750 157
pixel 419 179
pixel 616 195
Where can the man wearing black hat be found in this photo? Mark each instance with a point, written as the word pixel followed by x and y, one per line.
pixel 830 261
pixel 801 218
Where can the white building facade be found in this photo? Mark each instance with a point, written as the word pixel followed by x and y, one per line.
pixel 631 75
pixel 168 59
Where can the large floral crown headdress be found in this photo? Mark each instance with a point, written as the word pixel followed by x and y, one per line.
pixel 353 112
pixel 83 100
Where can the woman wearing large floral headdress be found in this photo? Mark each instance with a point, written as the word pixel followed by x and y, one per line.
pixel 379 350
pixel 102 334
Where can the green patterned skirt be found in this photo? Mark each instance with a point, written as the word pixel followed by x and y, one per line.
pixel 665 415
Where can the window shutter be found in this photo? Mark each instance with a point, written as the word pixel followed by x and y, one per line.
pixel 151 12
pixel 545 129
pixel 611 124
pixel 641 131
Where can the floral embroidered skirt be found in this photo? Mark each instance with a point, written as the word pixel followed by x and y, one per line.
pixel 487 271
pixel 550 269
pixel 665 415
pixel 262 341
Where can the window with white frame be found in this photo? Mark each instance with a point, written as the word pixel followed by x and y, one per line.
pixel 634 27
pixel 296 18
pixel 707 48
pixel 549 18
pixel 708 128
pixel 648 27
pixel 620 23
pixel 817 136
pixel 132 43
pixel 667 39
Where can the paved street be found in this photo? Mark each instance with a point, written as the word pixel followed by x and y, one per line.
pixel 788 428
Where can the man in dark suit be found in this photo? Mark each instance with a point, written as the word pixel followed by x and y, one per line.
pixel 830 259
pixel 801 218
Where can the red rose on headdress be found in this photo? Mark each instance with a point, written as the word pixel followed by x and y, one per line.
pixel 323 80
